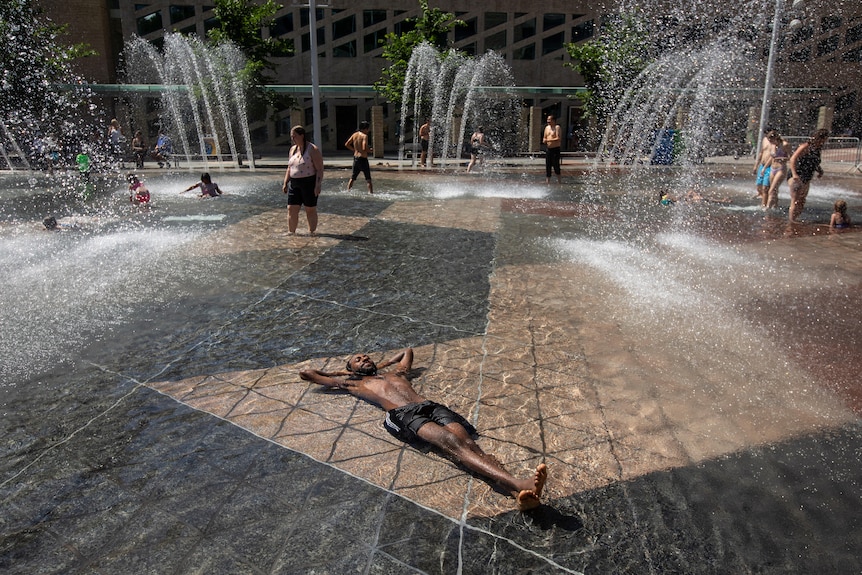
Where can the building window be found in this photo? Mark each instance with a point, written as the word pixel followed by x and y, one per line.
pixel 552 21
pixel 583 31
pixel 179 13
pixel 802 35
pixel 372 17
pixel 469 49
pixel 374 40
pixel 149 23
pixel 845 102
pixel 802 55
pixel 346 50
pixel 304 16
pixel 852 56
pixel 494 19
pixel 404 27
pixel 344 27
pixel 464 32
pixel 525 30
pixel 306 40
pixel 552 43
pixel 525 52
pixel 496 41
pixel 854 34
pixel 283 25
pixel 831 22
pixel 828 45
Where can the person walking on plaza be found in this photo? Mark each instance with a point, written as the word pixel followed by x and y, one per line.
pixel 761 166
pixel 425 141
pixel 552 138
pixel 358 144
pixel 302 180
pixel 411 417
pixel 803 163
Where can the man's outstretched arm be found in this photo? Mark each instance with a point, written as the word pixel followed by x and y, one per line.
pixel 404 360
pixel 323 378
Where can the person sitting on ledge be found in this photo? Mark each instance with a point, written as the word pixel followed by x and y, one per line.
pixel 410 417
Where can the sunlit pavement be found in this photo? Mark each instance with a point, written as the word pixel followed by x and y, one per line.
pixel 186 441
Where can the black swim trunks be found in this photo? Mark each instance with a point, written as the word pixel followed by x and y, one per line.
pixel 404 422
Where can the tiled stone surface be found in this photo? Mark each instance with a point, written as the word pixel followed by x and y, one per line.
pixel 548 382
pixel 704 441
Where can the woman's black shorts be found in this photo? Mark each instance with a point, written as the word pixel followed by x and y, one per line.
pixel 300 191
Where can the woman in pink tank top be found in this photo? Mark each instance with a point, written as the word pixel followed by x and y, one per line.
pixel 302 180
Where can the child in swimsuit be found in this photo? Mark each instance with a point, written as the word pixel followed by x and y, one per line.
pixel 777 169
pixel 665 199
pixel 138 192
pixel 840 219
pixel 209 189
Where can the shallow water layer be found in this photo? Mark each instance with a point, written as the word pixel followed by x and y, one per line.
pixel 688 373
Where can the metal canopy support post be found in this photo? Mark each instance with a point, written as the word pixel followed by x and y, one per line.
pixel 767 87
pixel 315 81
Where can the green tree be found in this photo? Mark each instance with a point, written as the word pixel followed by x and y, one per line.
pixel 611 62
pixel 432 26
pixel 36 65
pixel 241 22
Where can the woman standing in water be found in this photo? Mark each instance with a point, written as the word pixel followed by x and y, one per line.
pixel 779 157
pixel 803 163
pixel 302 180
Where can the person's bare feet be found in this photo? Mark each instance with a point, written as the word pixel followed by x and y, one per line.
pixel 528 500
pixel 539 479
pixel 531 498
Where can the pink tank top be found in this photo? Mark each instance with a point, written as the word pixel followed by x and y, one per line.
pixel 301 166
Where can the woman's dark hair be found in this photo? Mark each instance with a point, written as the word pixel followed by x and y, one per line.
pixel 205 178
pixel 821 133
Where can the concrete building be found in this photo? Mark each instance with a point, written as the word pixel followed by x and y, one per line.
pixel 823 52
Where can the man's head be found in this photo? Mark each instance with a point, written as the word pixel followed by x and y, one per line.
pixel 364 126
pixel 361 364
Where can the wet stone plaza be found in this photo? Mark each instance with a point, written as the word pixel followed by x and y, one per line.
pixel 690 374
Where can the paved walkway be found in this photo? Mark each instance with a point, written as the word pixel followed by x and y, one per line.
pixel 684 430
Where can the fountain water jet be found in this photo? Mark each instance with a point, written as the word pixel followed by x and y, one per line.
pixel 461 94
pixel 202 88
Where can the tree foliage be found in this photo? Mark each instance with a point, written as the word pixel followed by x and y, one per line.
pixel 241 22
pixel 35 64
pixel 432 26
pixel 611 62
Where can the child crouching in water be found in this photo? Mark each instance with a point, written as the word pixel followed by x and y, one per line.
pixel 840 219
pixel 207 186
pixel 138 192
